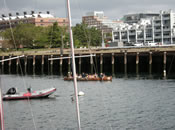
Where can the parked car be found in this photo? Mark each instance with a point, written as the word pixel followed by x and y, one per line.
pixel 138 44
pixel 151 44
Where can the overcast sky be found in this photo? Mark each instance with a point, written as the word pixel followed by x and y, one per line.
pixel 113 9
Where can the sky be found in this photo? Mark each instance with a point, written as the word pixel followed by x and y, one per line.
pixel 113 9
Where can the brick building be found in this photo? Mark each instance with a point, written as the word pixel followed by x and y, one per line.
pixel 38 19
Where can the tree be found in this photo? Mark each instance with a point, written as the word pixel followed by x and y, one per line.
pixel 85 36
pixel 32 36
pixel 55 35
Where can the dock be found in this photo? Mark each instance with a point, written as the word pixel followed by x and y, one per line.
pixel 109 60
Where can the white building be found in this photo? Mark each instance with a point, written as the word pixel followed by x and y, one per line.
pixel 159 29
pixel 98 20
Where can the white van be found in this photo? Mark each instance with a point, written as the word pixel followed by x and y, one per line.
pixel 138 44
pixel 151 44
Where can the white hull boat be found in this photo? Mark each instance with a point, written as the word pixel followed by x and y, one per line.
pixel 30 95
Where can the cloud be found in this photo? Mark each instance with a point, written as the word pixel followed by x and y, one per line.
pixel 113 9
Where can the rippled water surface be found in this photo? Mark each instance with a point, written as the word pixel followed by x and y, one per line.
pixel 123 104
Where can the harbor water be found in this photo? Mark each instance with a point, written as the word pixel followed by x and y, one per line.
pixel 126 103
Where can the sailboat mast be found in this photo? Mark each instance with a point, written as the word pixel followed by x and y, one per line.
pixel 73 64
pixel 1 112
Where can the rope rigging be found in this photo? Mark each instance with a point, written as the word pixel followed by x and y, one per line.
pixel 20 66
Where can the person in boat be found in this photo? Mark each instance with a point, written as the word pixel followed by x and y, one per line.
pixel 79 76
pixel 101 75
pixel 29 89
pixel 83 75
pixel 95 75
pixel 12 91
pixel 68 75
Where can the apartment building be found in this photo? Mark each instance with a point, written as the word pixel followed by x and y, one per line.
pixel 38 19
pixel 98 20
pixel 159 29
pixel 135 18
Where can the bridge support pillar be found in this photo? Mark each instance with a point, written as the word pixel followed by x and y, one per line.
pixel 164 64
pixel 150 62
pixel 42 64
pixel 137 63
pixel 79 63
pixel 25 64
pixel 61 65
pixel 17 65
pixel 125 63
pixel 2 63
pixel 10 63
pixel 34 64
pixel 113 61
pixel 51 65
pixel 69 65
pixel 101 63
pixel 92 64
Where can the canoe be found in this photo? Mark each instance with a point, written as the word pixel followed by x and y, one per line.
pixel 105 78
pixel 33 95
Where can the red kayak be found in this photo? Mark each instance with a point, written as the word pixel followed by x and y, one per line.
pixel 30 95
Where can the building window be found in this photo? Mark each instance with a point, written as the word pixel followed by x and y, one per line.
pixel 41 20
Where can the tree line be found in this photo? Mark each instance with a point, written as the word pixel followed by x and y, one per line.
pixel 31 36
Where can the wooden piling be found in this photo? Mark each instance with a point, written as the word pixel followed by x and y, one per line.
pixel 51 65
pixel 10 62
pixel 61 65
pixel 91 62
pixel 101 63
pixel 125 62
pixel 34 64
pixel 150 62
pixel 113 60
pixel 17 65
pixel 69 65
pixel 42 64
pixel 164 63
pixel 79 63
pixel 25 64
pixel 137 63
pixel 2 63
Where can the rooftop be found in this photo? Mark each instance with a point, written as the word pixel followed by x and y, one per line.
pixel 32 15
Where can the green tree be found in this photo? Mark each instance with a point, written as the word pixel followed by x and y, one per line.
pixel 55 35
pixel 85 36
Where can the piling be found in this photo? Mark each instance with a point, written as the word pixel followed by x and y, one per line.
pixel 10 62
pixel 101 63
pixel 2 63
pixel 25 64
pixel 79 63
pixel 42 64
pixel 61 65
pixel 69 65
pixel 137 63
pixel 150 62
pixel 125 63
pixel 164 64
pixel 113 61
pixel 17 65
pixel 51 65
pixel 34 64
pixel 92 64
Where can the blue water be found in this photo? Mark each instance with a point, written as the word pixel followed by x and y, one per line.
pixel 126 103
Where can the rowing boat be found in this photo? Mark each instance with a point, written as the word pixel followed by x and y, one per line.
pixel 105 78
